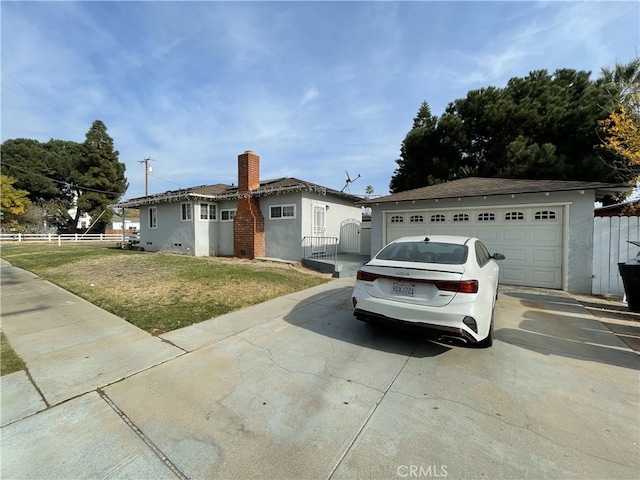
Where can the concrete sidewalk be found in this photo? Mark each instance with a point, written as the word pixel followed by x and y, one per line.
pixel 70 346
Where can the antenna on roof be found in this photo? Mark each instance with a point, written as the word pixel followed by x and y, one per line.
pixel 346 185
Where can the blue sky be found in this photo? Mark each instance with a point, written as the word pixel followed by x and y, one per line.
pixel 314 88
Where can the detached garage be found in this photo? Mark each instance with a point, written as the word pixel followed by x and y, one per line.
pixel 543 227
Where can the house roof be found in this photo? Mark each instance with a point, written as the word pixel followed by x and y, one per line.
pixel 222 191
pixel 477 186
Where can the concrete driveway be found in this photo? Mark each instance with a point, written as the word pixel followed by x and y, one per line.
pixel 297 389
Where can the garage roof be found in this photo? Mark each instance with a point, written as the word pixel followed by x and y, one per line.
pixel 477 186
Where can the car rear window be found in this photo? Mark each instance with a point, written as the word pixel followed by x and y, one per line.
pixel 425 252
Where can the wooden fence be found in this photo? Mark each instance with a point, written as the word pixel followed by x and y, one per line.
pixel 610 247
pixel 59 239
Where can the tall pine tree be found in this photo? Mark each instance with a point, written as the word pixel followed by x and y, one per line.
pixel 542 126
pixel 99 180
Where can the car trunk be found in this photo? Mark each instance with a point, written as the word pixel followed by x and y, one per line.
pixel 431 285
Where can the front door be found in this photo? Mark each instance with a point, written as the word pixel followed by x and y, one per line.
pixel 319 229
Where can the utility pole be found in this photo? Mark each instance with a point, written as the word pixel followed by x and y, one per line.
pixel 147 171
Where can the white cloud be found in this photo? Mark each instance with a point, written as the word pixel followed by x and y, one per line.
pixel 309 95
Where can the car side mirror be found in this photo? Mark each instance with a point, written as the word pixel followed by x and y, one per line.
pixel 498 256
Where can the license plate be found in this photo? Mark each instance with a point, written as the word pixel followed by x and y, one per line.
pixel 401 288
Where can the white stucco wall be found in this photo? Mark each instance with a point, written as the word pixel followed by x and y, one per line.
pixel 224 239
pixel 171 235
pixel 282 235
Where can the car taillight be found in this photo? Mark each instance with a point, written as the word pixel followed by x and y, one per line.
pixel 366 276
pixel 468 286
pixel 465 286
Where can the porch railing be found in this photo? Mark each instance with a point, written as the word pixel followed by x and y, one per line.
pixel 320 247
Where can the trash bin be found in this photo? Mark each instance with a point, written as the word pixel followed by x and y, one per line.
pixel 631 280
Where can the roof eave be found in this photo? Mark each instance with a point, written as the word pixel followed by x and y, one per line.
pixel 175 197
pixel 600 192
pixel 162 198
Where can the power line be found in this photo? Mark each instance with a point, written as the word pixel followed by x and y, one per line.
pixel 165 180
pixel 55 110
pixel 68 184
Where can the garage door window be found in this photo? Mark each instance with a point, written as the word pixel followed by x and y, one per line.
pixel 438 217
pixel 397 219
pixel 416 219
pixel 486 217
pixel 511 216
pixel 545 215
pixel 461 217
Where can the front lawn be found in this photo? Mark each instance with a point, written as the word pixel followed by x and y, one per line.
pixel 161 292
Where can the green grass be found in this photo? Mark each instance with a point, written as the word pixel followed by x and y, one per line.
pixel 39 257
pixel 9 360
pixel 161 292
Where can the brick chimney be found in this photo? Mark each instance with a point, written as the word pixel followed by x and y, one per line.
pixel 248 225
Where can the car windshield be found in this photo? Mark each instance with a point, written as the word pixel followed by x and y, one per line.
pixel 425 252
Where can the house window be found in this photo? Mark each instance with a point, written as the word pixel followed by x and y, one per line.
pixel 509 216
pixel 153 217
pixel 545 215
pixel 461 217
pixel 416 219
pixel 227 215
pixel 185 208
pixel 282 211
pixel 397 219
pixel 486 217
pixel 207 211
pixel 438 217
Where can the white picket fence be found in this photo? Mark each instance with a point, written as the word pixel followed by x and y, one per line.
pixel 610 247
pixel 59 239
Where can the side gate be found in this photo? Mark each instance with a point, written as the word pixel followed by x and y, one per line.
pixel 350 236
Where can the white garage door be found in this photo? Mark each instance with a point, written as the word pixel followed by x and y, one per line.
pixel 529 237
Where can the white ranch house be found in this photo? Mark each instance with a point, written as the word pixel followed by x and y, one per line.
pixel 284 218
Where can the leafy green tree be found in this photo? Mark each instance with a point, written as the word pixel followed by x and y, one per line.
pixel 58 172
pixel 40 168
pixel 542 126
pixel 44 170
pixel 13 203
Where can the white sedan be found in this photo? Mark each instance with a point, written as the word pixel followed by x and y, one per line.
pixel 446 284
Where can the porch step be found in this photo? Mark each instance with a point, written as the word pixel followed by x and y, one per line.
pixel 344 266
pixel 347 269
